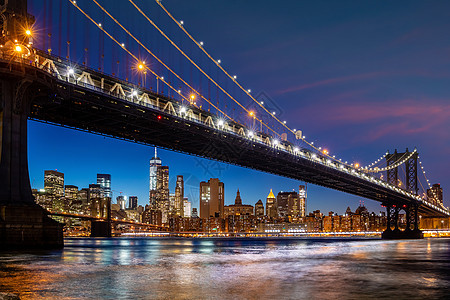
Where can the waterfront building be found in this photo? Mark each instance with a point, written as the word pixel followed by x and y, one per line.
pixel 133 202
pixel 212 195
pixel 259 209
pixel 104 180
pixel 271 205
pixel 152 216
pixel 238 208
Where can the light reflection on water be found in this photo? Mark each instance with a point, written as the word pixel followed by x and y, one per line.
pixel 140 268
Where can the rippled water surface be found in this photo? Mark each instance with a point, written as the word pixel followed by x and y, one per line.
pixel 135 268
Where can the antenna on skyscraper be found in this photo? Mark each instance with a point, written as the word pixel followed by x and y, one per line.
pixel 156 154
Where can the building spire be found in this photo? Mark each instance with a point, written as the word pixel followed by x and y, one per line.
pixel 156 154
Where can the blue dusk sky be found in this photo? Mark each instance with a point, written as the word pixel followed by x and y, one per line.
pixel 357 77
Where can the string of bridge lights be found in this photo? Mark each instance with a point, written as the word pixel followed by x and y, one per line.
pixel 376 161
pixel 428 182
pixel 394 165
pixel 142 65
pixel 218 62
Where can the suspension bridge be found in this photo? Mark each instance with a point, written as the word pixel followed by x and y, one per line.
pixel 38 84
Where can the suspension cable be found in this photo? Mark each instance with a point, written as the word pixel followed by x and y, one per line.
pixel 234 79
pixel 199 68
pixel 157 58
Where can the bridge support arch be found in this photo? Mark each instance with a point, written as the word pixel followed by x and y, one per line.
pixel 392 221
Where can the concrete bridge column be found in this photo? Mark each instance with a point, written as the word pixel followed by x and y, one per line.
pixel 22 222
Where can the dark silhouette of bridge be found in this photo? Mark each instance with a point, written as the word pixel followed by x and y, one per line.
pixel 39 86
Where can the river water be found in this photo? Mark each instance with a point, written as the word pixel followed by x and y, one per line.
pixel 149 268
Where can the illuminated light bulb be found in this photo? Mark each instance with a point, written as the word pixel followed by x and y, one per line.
pixel 219 61
pixel 201 43
pixel 181 22
pixel 134 93
pixel 234 77
pixel 28 32
pixel 275 142
pixel 284 122
pixel 296 149
pixel 162 77
pixel 262 102
pixel 220 123
pixel 251 113
pixel 71 71
pixel 249 90
pixel 183 110
pixel 356 165
pixel 99 24
pixel 192 97
pixel 123 45
pixel 140 66
pixel 274 113
pixel 250 133
pixel 18 48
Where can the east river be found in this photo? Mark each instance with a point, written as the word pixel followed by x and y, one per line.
pixel 149 268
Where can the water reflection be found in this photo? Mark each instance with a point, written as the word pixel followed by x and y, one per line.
pixel 140 268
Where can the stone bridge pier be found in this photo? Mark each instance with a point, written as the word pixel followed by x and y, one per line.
pixel 393 231
pixel 23 223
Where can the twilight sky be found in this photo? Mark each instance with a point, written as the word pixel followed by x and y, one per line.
pixel 358 77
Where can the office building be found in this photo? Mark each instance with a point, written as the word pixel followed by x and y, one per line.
pixel 238 208
pixel 155 162
pixel 187 208
pixel 212 195
pixel 259 209
pixel 104 180
pixel 133 202
pixel 271 205
pixel 121 201
pixel 302 196
pixel 179 196
pixel 435 194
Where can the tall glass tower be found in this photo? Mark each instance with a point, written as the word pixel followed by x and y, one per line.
pixel 154 163
pixel 104 180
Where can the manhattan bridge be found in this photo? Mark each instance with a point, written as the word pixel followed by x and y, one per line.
pixel 151 97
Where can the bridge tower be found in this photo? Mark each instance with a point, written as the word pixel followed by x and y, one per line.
pixel 22 222
pixel 411 209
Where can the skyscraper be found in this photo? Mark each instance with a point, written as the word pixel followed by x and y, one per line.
pixel 155 162
pixel 187 208
pixel 121 201
pixel 435 194
pixel 179 196
pixel 288 204
pixel 54 183
pixel 259 209
pixel 212 195
pixel 302 197
pixel 162 191
pixel 104 180
pixel 271 205
pixel 133 202
pixel 54 188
